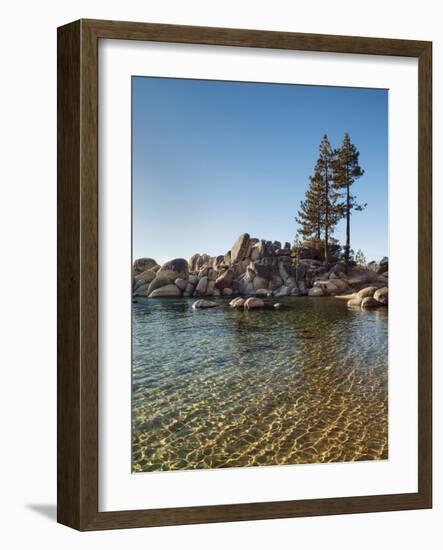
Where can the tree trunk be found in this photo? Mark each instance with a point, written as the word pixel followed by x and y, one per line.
pixel 348 224
pixel 348 229
pixel 326 218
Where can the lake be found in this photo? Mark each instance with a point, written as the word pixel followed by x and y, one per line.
pixel 221 388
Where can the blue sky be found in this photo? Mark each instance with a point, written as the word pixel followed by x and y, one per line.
pixel 212 160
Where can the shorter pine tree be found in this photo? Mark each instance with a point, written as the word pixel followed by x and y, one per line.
pixel 310 216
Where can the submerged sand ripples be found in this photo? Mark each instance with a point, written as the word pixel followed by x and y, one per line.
pixel 224 388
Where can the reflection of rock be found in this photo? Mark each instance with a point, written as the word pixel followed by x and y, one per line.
pixel 165 291
pixel 204 304
pixel 253 303
pixel 381 295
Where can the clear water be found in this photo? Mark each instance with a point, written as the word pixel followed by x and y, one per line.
pixel 223 388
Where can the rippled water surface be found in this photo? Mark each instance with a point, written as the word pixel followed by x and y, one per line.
pixel 225 388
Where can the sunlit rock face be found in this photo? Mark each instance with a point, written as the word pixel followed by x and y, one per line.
pixel 256 267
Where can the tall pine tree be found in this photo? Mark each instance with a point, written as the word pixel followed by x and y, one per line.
pixel 325 166
pixel 346 171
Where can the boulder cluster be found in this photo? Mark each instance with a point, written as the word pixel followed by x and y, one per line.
pixel 236 303
pixel 254 268
pixel 369 297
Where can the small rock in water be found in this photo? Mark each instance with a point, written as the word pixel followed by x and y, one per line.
pixel 277 305
pixel 369 302
pixel 381 295
pixel 203 304
pixel 354 302
pixel 367 292
pixel 316 292
pixel 254 303
pixel 237 302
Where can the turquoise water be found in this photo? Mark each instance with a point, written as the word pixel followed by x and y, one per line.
pixel 222 388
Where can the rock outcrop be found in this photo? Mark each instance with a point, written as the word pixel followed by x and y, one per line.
pixel 165 291
pixel 175 269
pixel 369 297
pixel 260 269
pixel 142 264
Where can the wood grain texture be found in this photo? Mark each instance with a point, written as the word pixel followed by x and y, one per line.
pixel 68 275
pixel 425 273
pixel 78 274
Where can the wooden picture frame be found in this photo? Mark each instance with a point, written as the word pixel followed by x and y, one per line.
pixel 78 274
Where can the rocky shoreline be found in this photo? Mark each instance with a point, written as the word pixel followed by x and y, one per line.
pixel 258 269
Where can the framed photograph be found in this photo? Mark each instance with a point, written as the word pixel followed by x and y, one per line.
pixel 244 275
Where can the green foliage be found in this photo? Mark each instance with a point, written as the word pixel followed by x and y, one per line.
pixel 310 217
pixel 314 249
pixel 328 198
pixel 320 211
pixel 346 171
pixel 360 258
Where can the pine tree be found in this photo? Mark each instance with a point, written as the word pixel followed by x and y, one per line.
pixel 329 206
pixel 346 171
pixel 310 214
pixel 320 210
pixel 360 257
